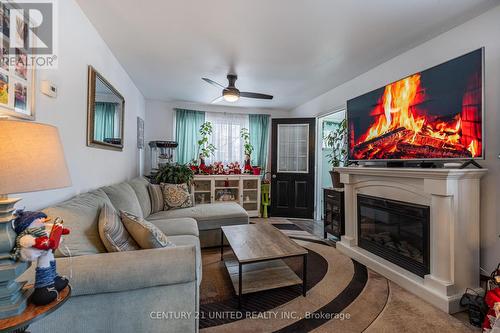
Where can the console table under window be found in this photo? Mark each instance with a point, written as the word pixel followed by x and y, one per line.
pixel 243 189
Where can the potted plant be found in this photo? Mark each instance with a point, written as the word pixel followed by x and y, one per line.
pixel 174 173
pixel 245 135
pixel 337 140
pixel 205 149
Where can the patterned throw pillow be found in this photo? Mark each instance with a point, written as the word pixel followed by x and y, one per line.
pixel 176 196
pixel 113 235
pixel 145 233
pixel 156 196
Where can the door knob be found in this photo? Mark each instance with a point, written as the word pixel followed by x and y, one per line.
pixel 274 176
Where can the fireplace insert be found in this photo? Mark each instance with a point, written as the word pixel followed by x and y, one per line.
pixel 396 231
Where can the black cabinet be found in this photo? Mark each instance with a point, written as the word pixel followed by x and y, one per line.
pixel 334 212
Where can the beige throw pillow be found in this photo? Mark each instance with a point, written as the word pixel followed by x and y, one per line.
pixel 145 233
pixel 113 234
pixel 176 196
pixel 156 195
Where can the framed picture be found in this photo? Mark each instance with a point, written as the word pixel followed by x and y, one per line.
pixel 17 75
pixel 140 133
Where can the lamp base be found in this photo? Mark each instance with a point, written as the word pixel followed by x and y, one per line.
pixel 13 299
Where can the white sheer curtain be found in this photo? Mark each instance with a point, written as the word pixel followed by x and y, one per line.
pixel 226 136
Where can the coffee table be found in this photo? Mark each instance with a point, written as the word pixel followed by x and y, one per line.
pixel 258 252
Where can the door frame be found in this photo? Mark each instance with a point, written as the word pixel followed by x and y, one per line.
pixel 318 193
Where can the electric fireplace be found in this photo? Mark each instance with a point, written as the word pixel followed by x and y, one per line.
pixel 435 114
pixel 396 231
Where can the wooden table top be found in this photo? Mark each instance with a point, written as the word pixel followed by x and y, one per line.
pixel 261 241
pixel 34 312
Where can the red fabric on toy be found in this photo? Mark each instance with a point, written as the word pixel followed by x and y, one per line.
pixel 492 297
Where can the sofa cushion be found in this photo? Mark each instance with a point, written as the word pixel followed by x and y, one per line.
pixel 156 196
pixel 209 216
pixel 176 196
pixel 140 187
pixel 190 240
pixel 181 226
pixel 80 215
pixel 145 233
pixel 113 234
pixel 123 197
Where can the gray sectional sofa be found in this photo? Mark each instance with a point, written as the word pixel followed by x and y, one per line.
pixel 136 291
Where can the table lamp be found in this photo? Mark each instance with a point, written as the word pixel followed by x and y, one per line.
pixel 31 159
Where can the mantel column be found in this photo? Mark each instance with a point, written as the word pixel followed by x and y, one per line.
pixel 441 230
pixel 351 216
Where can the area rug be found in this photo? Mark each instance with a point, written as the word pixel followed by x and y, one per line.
pixel 343 296
pixel 334 281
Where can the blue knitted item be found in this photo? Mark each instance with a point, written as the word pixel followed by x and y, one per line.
pixel 25 218
pixel 44 276
pixel 53 266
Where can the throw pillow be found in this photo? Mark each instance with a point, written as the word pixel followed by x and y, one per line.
pixel 176 196
pixel 156 195
pixel 145 233
pixel 113 235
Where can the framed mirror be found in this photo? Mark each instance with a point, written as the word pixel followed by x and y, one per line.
pixel 105 113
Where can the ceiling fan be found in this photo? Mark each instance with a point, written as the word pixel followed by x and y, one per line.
pixel 231 93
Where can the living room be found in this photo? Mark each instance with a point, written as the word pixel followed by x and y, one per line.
pixel 265 167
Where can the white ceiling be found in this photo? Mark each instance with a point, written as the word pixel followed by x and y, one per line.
pixel 292 49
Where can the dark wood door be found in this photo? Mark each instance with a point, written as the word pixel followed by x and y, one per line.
pixel 293 151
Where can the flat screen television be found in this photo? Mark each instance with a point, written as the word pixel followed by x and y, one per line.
pixel 436 114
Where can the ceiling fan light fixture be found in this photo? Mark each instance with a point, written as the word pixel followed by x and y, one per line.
pixel 231 95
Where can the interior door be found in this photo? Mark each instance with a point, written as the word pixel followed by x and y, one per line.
pixel 293 151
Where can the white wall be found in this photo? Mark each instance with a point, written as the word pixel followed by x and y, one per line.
pixel 160 125
pixel 483 30
pixel 79 46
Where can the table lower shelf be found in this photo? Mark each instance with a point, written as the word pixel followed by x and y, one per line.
pixel 262 275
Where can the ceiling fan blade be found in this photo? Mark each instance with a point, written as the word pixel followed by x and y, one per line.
pixel 217 100
pixel 255 95
pixel 212 82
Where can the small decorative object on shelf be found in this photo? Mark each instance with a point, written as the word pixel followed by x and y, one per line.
pixel 36 240
pixel 256 170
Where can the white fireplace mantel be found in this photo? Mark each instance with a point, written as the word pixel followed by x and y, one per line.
pixel 454 199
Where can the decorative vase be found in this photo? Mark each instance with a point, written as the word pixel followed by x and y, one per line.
pixel 336 179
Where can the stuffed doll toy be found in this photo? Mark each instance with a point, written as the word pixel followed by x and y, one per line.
pixel 247 167
pixel 36 240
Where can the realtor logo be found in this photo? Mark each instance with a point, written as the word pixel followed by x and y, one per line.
pixel 28 27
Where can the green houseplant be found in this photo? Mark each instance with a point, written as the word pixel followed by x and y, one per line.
pixel 337 140
pixel 174 173
pixel 205 149
pixel 248 149
pixel 245 135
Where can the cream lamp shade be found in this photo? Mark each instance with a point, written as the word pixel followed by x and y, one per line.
pixel 31 158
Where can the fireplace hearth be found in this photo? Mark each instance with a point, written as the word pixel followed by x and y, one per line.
pixel 396 231
pixel 417 227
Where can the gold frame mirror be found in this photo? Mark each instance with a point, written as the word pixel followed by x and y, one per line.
pixel 105 113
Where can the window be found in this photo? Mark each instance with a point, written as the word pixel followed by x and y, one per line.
pixel 293 148
pixel 226 136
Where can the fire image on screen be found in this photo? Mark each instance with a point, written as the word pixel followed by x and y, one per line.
pixel 434 114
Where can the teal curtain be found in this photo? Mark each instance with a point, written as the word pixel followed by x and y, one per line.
pixel 259 138
pixel 104 121
pixel 187 128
